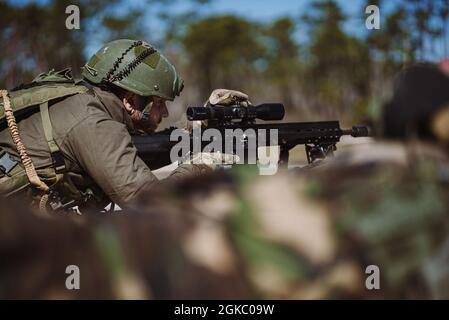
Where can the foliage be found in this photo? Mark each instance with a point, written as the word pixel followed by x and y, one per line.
pixel 223 50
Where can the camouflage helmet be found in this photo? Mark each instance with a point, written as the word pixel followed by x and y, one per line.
pixel 136 67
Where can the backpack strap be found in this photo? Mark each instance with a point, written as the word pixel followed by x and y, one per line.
pixel 40 94
pixel 56 154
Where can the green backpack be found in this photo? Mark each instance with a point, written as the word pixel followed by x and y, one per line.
pixel 26 99
pixel 44 89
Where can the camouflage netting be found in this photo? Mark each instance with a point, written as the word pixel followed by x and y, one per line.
pixel 296 235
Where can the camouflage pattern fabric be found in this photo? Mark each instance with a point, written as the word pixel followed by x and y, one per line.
pixel 305 234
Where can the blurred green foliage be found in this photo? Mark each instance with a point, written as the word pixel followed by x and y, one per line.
pixel 333 73
pixel 222 50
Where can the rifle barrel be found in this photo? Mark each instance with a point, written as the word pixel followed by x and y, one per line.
pixel 356 131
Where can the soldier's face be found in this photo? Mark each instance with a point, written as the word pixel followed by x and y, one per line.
pixel 155 106
pixel 158 111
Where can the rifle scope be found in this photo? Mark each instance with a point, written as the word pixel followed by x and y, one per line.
pixel 265 111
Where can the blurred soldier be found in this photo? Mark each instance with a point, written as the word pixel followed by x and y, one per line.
pixel 80 141
pixel 420 94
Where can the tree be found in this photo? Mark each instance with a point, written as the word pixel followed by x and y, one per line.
pixel 34 37
pixel 392 43
pixel 443 12
pixel 339 65
pixel 223 51
pixel 422 13
pixel 283 66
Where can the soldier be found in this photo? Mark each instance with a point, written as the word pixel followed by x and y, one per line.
pixel 420 94
pixel 80 143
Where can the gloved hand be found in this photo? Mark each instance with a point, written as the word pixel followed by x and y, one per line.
pixel 226 97
pixel 202 163
pixel 213 159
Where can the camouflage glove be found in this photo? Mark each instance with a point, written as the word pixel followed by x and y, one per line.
pixel 227 97
pixel 213 160
pixel 185 170
pixel 202 163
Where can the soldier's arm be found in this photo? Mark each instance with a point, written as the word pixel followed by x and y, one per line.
pixel 103 148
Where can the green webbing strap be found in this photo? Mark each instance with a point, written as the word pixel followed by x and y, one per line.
pixel 22 99
pixel 56 154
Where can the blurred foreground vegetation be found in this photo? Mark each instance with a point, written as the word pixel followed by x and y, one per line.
pixel 332 73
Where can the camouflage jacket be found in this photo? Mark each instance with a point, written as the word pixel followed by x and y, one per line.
pixel 93 132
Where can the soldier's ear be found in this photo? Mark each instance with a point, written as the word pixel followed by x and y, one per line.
pixel 129 96
pixel 128 104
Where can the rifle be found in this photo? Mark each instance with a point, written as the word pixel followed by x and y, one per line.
pixel 319 138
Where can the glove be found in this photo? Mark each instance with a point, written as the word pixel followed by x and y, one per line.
pixel 185 170
pixel 213 160
pixel 202 163
pixel 227 97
